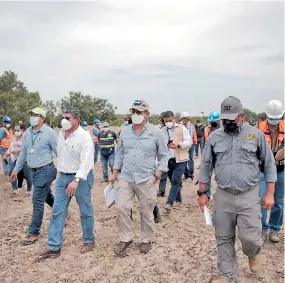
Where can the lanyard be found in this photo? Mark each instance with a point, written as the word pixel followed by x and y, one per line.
pixel 34 137
pixel 169 132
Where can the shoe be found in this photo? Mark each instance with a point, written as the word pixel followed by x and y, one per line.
pixel 264 237
pixel 122 247
pixel 160 195
pixel 29 240
pixel 177 205
pixel 157 217
pixel 168 208
pixel 254 264
pixel 145 247
pixel 50 254
pixel 274 237
pixel 220 280
pixel 87 248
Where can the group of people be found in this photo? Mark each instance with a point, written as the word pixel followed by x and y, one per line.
pixel 248 164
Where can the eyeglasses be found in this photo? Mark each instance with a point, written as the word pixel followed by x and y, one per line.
pixel 135 111
pixel 66 118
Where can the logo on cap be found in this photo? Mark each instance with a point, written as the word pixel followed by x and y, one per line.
pixel 227 108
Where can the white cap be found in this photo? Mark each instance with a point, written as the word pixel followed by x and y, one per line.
pixel 184 115
pixel 274 109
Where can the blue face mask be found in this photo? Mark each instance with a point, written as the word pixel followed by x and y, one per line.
pixel 273 122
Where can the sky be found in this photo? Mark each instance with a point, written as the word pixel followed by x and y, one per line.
pixel 177 55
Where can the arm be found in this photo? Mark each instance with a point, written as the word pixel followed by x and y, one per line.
pixel 162 155
pixel 280 153
pixel 187 140
pixel 119 157
pixel 115 137
pixel 2 135
pixel 21 159
pixel 86 159
pixel 53 142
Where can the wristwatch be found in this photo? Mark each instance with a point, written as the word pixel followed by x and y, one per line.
pixel 76 179
pixel 200 193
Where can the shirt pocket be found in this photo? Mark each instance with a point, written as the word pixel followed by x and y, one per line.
pixel 249 153
pixel 222 155
pixel 147 146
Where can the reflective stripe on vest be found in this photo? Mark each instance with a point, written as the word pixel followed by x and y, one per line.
pixel 107 142
pixel 5 143
pixel 263 126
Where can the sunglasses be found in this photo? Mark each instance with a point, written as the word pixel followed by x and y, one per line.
pixel 134 111
pixel 66 118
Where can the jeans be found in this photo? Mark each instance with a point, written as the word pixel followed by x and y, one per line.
pixel 201 144
pixel 97 150
pixel 189 172
pixel 276 214
pixel 60 208
pixel 105 158
pixel 175 175
pixel 4 165
pixel 162 183
pixel 23 174
pixel 42 180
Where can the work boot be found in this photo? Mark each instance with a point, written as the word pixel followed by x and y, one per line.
pixel 274 237
pixel 254 264
pixel 123 246
pixel 157 217
pixel 160 195
pixel 29 240
pixel 87 248
pixel 145 247
pixel 168 208
pixel 177 205
pixel 50 254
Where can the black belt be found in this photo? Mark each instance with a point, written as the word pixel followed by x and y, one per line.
pixel 68 174
pixel 42 167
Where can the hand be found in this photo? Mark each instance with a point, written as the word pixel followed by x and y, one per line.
pixel 70 191
pixel 202 201
pixel 13 176
pixel 153 180
pixel 173 145
pixel 113 178
pixel 5 157
pixel 268 201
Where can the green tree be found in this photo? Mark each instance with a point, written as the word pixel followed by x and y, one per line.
pixel 53 112
pixel 15 99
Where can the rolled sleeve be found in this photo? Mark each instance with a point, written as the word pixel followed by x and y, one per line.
pixel 206 166
pixel 268 160
pixel 162 153
pixel 119 155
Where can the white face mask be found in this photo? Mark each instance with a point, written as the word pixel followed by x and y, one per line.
pixel 34 121
pixel 65 124
pixel 137 119
pixel 18 134
pixel 8 126
pixel 126 123
pixel 106 129
pixel 169 125
pixel 85 127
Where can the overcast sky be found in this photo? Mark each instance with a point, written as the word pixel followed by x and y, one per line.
pixel 178 55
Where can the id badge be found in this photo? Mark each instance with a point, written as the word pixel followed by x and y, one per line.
pixel 32 151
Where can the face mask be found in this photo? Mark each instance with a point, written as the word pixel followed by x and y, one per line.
pixel 85 127
pixel 230 127
pixel 214 124
pixel 199 124
pixel 106 129
pixel 169 125
pixel 137 119
pixel 18 134
pixel 65 124
pixel 34 121
pixel 274 122
pixel 8 126
pixel 126 123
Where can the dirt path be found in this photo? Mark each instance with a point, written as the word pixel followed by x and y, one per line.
pixel 184 249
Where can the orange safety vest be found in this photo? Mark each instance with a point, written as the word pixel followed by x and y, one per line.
pixel 5 143
pixel 263 126
pixel 195 139
pixel 206 133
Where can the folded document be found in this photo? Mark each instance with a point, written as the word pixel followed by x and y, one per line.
pixel 207 216
pixel 110 195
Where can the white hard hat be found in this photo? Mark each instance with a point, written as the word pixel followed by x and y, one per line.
pixel 274 109
pixel 184 115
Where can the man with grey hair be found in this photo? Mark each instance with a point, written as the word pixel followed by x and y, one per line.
pixel 235 153
pixel 74 163
pixel 139 145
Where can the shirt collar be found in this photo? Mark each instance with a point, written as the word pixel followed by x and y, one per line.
pixel 42 129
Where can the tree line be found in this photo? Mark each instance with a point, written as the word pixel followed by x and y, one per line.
pixel 16 101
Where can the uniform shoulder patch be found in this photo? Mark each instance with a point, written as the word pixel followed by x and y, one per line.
pixel 250 137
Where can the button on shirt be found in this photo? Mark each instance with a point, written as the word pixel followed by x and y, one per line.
pixel 37 148
pixel 136 155
pixel 237 159
pixel 76 153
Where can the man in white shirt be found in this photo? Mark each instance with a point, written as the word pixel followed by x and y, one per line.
pixel 178 141
pixel 75 161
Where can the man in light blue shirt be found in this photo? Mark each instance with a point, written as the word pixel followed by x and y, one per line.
pixel 39 144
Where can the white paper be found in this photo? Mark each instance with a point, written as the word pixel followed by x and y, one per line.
pixel 207 216
pixel 110 195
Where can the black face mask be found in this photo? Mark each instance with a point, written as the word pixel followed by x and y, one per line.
pixel 230 126
pixel 214 124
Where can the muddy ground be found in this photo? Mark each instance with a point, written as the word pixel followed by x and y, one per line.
pixel 184 249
